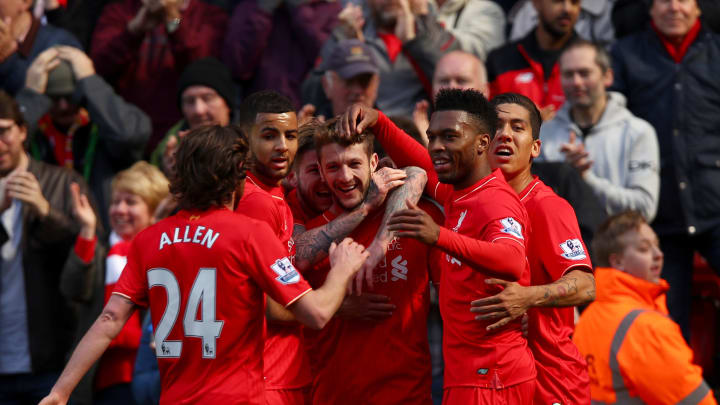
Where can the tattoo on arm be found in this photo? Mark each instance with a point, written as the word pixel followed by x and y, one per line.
pixel 412 190
pixel 313 245
pixel 575 288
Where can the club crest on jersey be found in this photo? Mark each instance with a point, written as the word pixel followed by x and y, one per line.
pixel 287 274
pixel 460 221
pixel 573 249
pixel 512 227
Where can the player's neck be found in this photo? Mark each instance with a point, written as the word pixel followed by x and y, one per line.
pixel 307 208
pixel 480 171
pixel 267 181
pixel 521 180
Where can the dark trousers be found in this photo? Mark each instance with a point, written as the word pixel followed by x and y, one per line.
pixel 25 389
pixel 678 270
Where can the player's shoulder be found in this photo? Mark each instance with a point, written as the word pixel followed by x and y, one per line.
pixel 544 200
pixel 499 196
pixel 432 207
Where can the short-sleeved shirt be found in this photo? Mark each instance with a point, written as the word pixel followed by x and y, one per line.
pixel 203 275
pixel 286 364
pixel 377 362
pixel 489 210
pixel 555 248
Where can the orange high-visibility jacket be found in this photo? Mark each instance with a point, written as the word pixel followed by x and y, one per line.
pixel 635 353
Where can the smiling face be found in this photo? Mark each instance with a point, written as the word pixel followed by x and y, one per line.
pixel 129 214
pixel 12 137
pixel 456 148
pixel 642 256
pixel 674 18
pixel 347 170
pixel 273 143
pixel 314 194
pixel 513 147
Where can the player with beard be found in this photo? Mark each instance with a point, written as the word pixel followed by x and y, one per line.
pixel 208 257
pixel 484 237
pixel 529 66
pixel 390 357
pixel 561 271
pixel 271 124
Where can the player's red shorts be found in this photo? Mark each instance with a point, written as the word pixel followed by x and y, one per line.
pixel 300 396
pixel 519 394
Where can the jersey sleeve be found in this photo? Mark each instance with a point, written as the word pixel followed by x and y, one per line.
pixel 557 239
pixel 657 362
pixel 133 283
pixel 406 151
pixel 270 266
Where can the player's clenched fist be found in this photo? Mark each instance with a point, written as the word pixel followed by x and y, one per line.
pixel 347 255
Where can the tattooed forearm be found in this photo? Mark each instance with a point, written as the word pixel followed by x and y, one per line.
pixel 313 245
pixel 397 199
pixel 575 288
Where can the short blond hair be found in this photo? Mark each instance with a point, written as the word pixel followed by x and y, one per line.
pixel 143 180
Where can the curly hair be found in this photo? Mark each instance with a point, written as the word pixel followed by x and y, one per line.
pixel 210 165
pixel 483 115
pixel 329 135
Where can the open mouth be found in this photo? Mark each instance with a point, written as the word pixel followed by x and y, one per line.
pixel 503 151
pixel 279 162
pixel 347 189
pixel 441 163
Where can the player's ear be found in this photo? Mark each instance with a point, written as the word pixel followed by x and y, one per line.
pixel 374 159
pixel 535 149
pixel 483 143
pixel 291 179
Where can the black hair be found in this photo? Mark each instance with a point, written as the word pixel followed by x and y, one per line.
pixel 527 104
pixel 10 110
pixel 265 101
pixel 473 102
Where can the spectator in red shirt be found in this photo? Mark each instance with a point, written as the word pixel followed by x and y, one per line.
pixel 92 270
pixel 142 47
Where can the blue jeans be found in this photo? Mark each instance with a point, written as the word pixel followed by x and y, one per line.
pixel 22 389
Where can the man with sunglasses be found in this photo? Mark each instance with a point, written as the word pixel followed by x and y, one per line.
pixel 76 120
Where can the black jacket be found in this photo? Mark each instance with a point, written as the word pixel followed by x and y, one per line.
pixel 682 101
pixel 45 246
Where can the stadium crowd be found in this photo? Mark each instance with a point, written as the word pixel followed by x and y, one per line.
pixel 359 202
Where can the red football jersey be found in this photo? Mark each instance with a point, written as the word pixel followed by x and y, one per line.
pixel 380 362
pixel 203 275
pixel 556 247
pixel 300 217
pixel 487 211
pixel 286 363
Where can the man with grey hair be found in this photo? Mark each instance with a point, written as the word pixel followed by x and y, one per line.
pixel 615 152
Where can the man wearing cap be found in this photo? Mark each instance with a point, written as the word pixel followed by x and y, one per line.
pixel 76 120
pixel 349 75
pixel 205 96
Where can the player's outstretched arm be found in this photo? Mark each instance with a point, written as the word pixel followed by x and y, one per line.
pixel 91 347
pixel 577 287
pixel 312 246
pixel 397 200
pixel 317 307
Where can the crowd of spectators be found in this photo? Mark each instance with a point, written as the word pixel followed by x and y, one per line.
pixel 627 90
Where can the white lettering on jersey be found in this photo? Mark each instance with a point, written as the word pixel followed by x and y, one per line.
pixel 573 250
pixel 208 239
pixel 287 274
pixel 512 227
pixel 399 269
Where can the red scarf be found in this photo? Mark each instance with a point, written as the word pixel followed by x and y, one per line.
pixel 60 142
pixel 677 52
pixel 393 45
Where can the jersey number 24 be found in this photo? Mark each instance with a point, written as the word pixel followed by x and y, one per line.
pixel 207 328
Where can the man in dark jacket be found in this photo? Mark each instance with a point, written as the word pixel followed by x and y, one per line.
pixel 76 120
pixel 667 76
pixel 529 66
pixel 36 234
